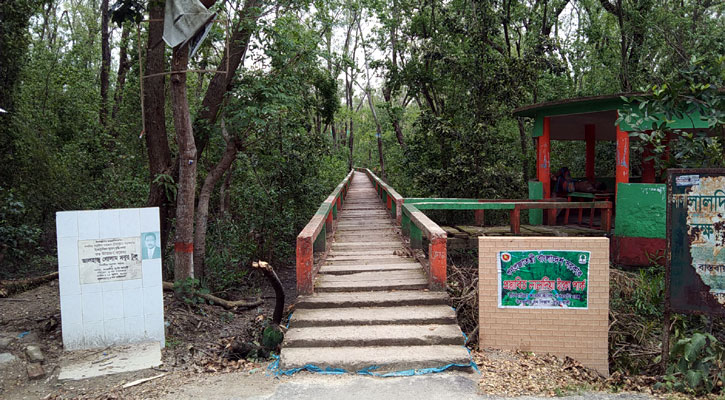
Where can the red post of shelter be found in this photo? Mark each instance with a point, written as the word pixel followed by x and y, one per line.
pixel 591 142
pixel 543 168
pixel 622 173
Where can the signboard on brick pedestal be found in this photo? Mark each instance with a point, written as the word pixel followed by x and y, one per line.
pixel 109 267
pixel 546 295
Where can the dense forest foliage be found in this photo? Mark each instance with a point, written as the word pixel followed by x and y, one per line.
pixel 283 97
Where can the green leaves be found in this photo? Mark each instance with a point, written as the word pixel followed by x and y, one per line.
pixel 696 364
pixel 694 346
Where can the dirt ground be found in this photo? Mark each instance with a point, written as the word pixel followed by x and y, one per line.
pixel 200 339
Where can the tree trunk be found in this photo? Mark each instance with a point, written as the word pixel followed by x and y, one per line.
pixel 394 118
pixel 221 83
pixel 183 243
pixel 105 63
pixel 378 133
pixel 224 195
pixel 123 67
pixel 351 133
pixel 334 135
pixel 202 209
pixel 154 114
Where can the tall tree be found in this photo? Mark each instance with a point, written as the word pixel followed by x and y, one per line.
pixel 184 239
pixel 161 168
pixel 105 62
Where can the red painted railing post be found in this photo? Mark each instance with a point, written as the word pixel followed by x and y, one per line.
pixel 437 257
pixel 304 265
pixel 607 219
pixel 516 220
pixel 479 217
pixel 328 221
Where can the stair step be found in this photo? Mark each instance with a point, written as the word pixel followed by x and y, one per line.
pixel 367 224
pixel 386 228
pixel 375 335
pixel 352 269
pixel 365 237
pixel 366 245
pixel 361 253
pixel 366 260
pixel 373 276
pixel 403 315
pixel 372 299
pixel 399 284
pixel 385 358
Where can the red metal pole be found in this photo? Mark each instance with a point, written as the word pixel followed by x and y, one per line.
pixel 622 175
pixel 543 168
pixel 590 137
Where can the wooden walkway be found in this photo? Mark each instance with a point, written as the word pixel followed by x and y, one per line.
pixel 466 236
pixel 371 306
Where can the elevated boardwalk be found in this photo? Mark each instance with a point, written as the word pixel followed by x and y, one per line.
pixel 371 305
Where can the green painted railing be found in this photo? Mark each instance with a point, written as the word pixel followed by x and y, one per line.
pixel 314 236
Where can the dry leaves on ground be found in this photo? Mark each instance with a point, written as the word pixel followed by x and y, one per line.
pixel 517 373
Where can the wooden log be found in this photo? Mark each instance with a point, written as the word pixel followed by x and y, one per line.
pixel 278 289
pixel 9 287
pixel 227 304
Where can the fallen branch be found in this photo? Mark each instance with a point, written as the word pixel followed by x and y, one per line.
pixel 227 304
pixel 20 285
pixel 278 289
pixel 140 381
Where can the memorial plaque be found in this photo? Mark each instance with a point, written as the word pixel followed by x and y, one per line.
pixel 104 260
pixel 110 277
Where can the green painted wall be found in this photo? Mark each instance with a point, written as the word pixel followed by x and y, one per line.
pixel 641 210
pixel 536 192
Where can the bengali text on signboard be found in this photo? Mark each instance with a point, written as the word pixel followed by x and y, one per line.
pixel 543 279
pixel 104 260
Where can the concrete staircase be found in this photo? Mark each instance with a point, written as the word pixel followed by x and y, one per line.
pixel 371 306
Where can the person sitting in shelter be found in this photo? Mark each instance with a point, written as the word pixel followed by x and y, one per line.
pixel 564 182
